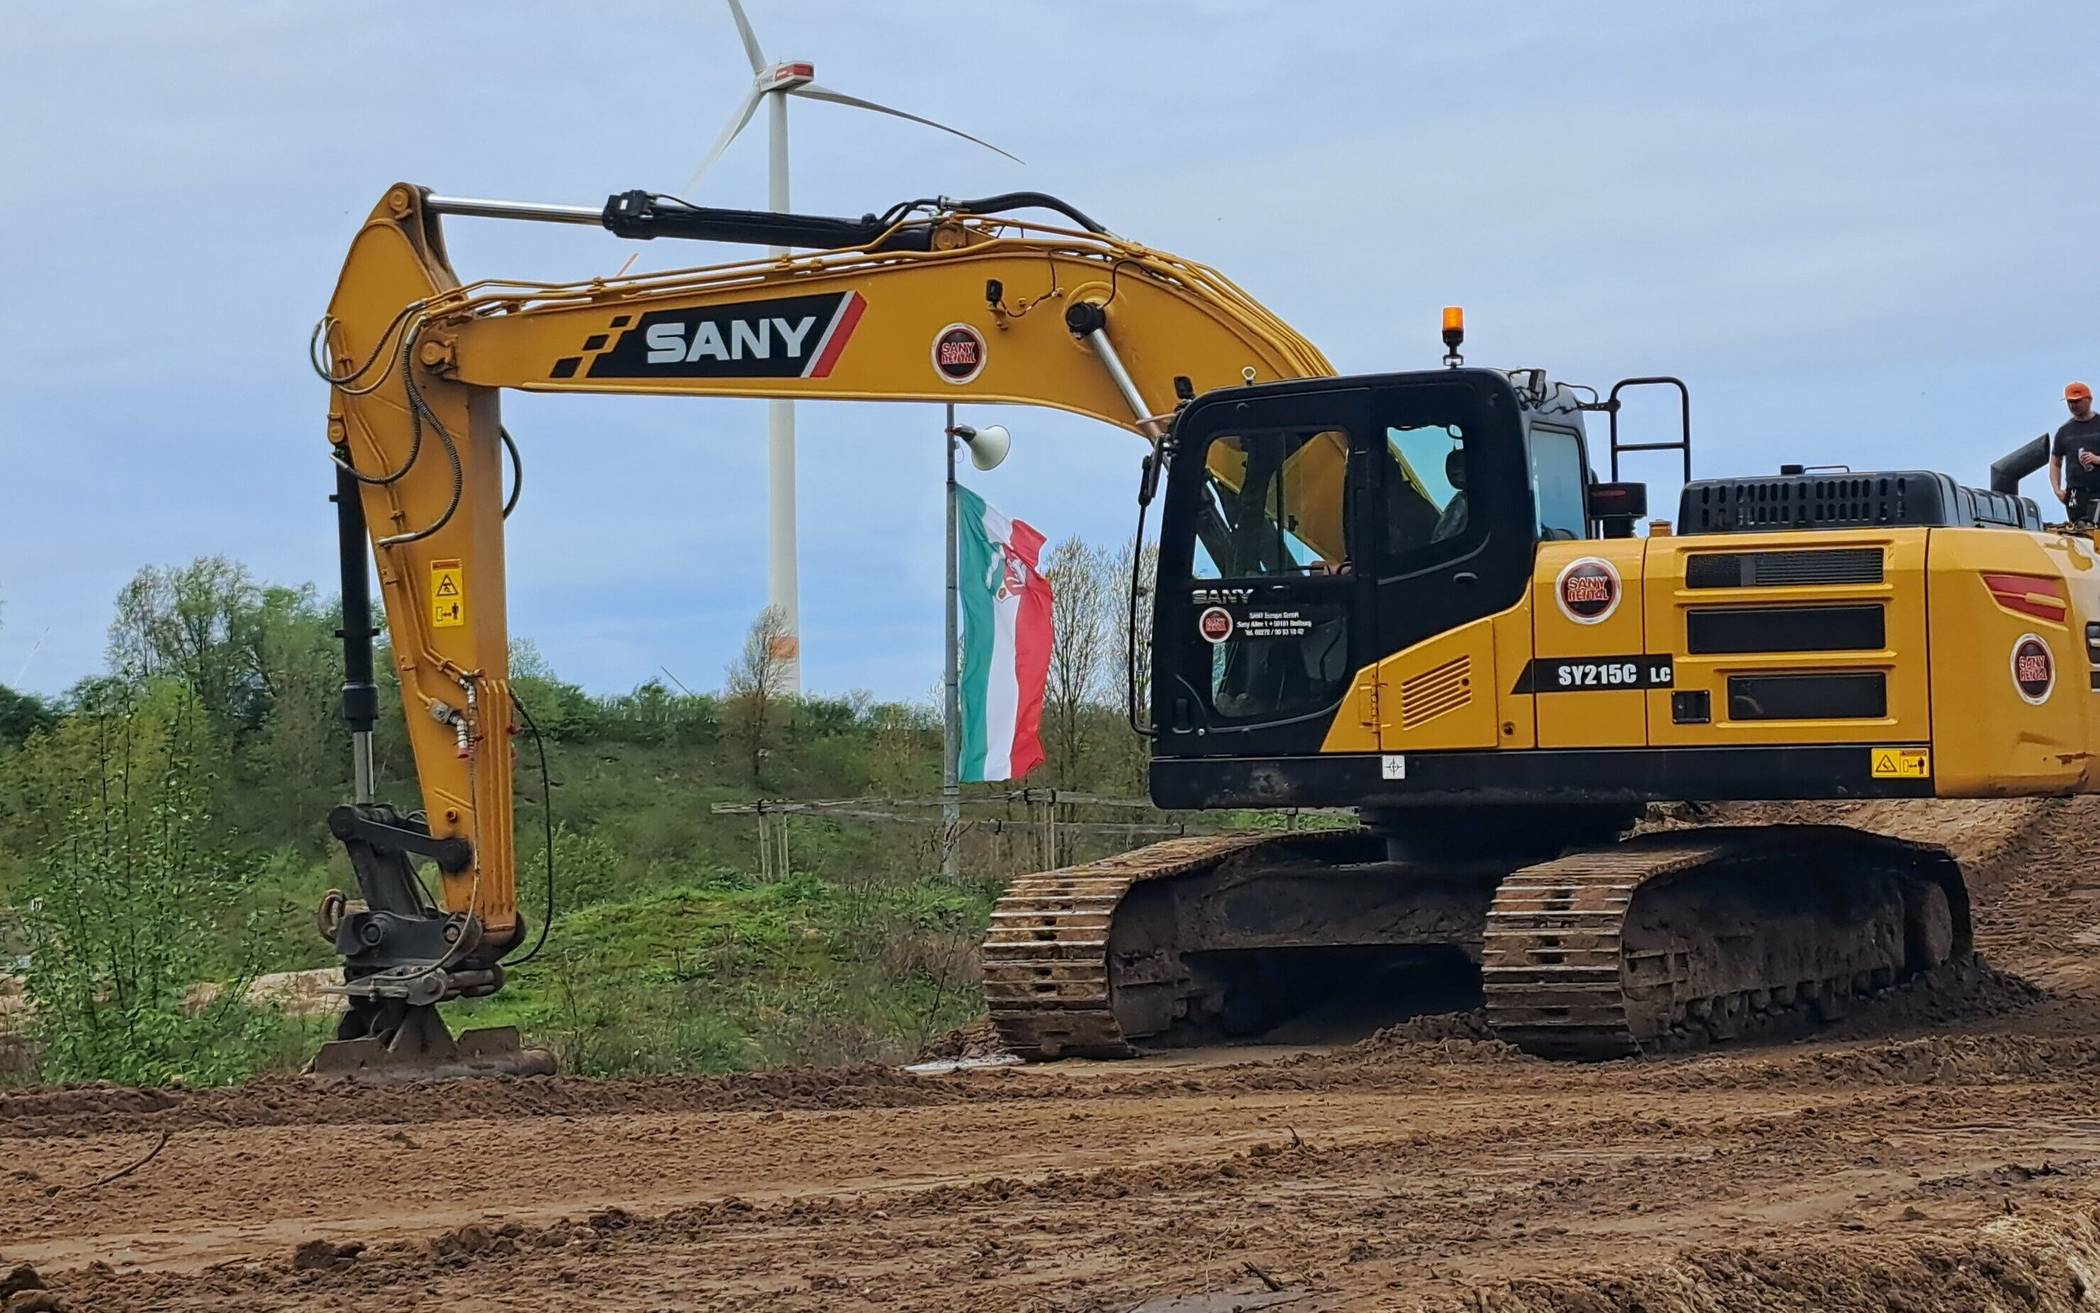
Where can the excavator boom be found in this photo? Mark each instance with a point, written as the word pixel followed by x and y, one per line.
pixel 934 303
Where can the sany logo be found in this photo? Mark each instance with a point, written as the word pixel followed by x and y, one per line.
pixel 784 337
pixel 747 340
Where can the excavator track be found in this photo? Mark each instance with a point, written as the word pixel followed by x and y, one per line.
pixel 1046 964
pixel 1552 959
pixel 1677 939
pixel 1665 940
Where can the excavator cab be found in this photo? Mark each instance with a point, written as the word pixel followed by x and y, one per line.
pixel 1311 528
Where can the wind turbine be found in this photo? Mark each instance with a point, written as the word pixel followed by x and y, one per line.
pixel 774 83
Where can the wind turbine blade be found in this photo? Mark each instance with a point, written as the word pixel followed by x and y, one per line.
pixel 816 92
pixel 743 29
pixel 736 125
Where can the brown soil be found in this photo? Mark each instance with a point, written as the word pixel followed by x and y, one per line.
pixel 1940 1150
pixel 979 1039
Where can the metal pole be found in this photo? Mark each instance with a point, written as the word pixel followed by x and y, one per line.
pixel 951 708
pixel 781 581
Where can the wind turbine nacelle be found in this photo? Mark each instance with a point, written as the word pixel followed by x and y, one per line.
pixel 788 76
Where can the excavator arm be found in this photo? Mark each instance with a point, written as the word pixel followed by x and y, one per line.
pixel 934 303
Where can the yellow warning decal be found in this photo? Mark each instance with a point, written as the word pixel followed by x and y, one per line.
pixel 448 595
pixel 1902 763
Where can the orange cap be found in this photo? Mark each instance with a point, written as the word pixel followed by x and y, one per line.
pixel 2075 390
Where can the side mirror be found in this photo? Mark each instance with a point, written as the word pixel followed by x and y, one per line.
pixel 1616 506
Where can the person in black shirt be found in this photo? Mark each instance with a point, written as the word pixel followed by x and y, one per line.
pixel 2074 459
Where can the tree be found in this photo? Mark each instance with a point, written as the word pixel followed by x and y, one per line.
pixel 755 688
pixel 126 911
pixel 560 709
pixel 263 663
pixel 22 714
pixel 1081 586
pixel 296 749
pixel 191 622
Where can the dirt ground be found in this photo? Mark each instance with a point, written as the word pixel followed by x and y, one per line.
pixel 1940 1150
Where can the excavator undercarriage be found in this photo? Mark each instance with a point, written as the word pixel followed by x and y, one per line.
pixel 1663 940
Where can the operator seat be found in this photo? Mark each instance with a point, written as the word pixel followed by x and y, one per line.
pixel 1452 522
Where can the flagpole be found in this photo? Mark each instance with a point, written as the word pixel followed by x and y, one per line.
pixel 951 710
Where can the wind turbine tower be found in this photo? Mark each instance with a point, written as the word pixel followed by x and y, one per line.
pixel 774 83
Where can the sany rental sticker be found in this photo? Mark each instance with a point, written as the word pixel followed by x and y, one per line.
pixel 958 353
pixel 1588 590
pixel 2033 669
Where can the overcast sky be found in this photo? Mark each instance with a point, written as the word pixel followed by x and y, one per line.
pixel 1865 233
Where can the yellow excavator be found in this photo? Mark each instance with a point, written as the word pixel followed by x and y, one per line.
pixel 1408 594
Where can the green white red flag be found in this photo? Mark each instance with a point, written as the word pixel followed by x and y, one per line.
pixel 1006 641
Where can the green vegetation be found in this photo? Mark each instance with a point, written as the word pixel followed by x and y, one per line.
pixel 727 974
pixel 119 915
pixel 162 828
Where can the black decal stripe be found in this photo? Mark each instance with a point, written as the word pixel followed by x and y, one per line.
pixel 565 367
pixel 595 342
pixel 628 356
pixel 1542 674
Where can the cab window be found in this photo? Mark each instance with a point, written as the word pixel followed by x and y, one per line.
pixel 1558 483
pixel 1271 510
pixel 1425 488
pixel 1271 504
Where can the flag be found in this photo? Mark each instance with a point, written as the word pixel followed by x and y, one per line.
pixel 1006 642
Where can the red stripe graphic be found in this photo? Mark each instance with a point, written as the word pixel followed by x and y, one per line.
pixel 2035 595
pixel 835 339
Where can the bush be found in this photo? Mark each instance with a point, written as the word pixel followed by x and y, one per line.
pixel 124 915
pixel 587 869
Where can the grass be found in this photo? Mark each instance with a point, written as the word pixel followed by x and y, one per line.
pixel 669 955
pixel 727 974
pixel 718 974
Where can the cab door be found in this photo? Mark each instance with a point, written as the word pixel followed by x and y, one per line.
pixel 1454 535
pixel 1262 617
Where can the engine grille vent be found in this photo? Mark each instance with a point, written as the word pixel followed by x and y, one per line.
pixel 1828 566
pixel 1436 692
pixel 1764 504
pixel 1730 629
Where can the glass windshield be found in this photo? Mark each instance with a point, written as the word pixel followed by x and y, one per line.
pixel 1272 505
pixel 1425 497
